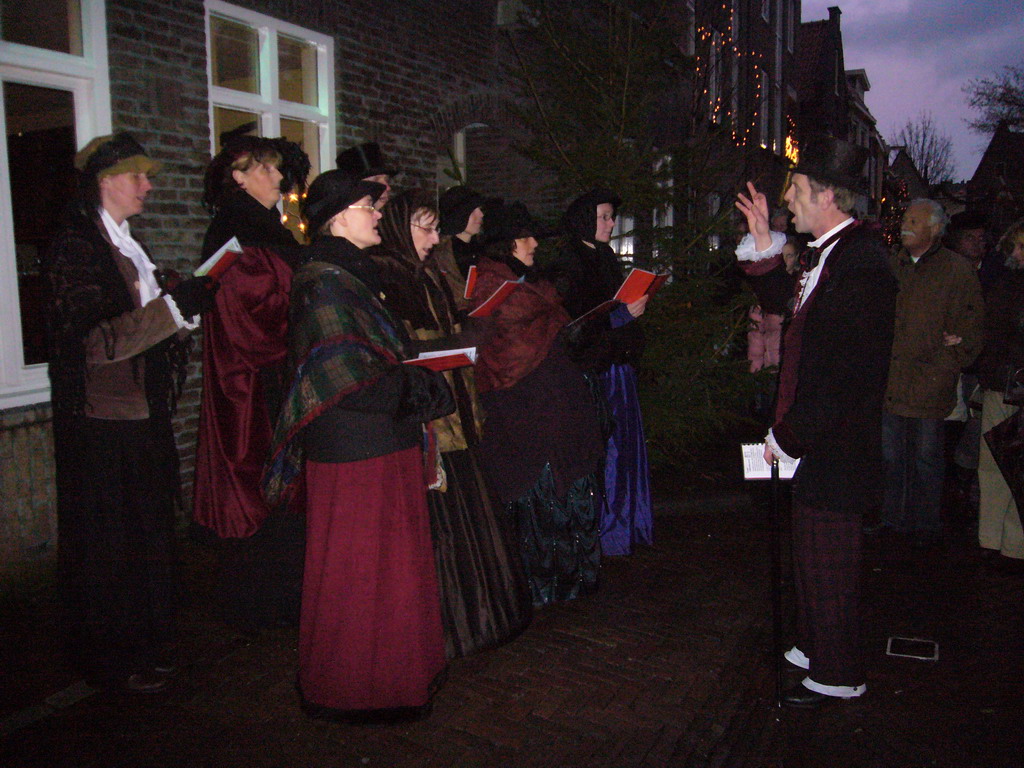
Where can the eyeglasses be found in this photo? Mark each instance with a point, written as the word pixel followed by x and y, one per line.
pixel 430 230
pixel 364 207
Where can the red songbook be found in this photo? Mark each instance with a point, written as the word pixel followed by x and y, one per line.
pixel 495 299
pixel 638 283
pixel 445 359
pixel 216 265
pixel 470 283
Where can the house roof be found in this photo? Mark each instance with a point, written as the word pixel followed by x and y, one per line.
pixel 812 41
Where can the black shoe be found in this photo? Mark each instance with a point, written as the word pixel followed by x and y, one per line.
pixel 386 716
pixel 802 697
pixel 148 681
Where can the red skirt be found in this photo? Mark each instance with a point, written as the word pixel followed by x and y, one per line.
pixel 370 635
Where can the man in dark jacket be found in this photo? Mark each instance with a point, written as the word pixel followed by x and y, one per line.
pixel 939 318
pixel 835 361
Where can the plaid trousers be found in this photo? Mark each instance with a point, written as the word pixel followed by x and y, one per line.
pixel 827 572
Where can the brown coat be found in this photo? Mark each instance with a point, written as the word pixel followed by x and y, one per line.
pixel 938 294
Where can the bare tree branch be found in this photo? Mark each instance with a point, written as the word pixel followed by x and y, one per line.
pixel 999 98
pixel 931 151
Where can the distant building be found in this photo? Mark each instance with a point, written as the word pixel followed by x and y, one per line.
pixel 997 187
pixel 831 101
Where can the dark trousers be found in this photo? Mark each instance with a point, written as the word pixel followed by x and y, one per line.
pixel 117 554
pixel 827 572
pixel 915 466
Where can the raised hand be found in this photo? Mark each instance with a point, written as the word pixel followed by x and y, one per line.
pixel 755 208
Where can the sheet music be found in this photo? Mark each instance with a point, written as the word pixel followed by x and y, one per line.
pixel 756 468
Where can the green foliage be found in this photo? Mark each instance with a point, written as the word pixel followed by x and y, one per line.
pixel 609 99
pixel 695 380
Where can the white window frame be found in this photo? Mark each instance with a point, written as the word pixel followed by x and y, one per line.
pixel 267 104
pixel 87 77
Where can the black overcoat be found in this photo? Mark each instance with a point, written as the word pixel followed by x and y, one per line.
pixel 834 422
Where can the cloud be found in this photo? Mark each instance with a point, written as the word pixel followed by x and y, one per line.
pixel 918 55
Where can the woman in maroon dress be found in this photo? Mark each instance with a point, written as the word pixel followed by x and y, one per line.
pixel 370 641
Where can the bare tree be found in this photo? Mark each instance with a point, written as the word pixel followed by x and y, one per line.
pixel 998 98
pixel 931 151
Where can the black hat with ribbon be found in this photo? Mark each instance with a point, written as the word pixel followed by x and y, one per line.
pixel 833 161
pixel 332 192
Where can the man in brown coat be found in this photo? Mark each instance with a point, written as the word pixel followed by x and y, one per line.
pixel 939 316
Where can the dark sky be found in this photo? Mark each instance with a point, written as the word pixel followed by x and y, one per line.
pixel 918 55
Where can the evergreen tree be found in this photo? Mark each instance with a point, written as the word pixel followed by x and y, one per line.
pixel 609 98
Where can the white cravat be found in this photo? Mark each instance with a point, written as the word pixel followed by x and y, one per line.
pixel 810 279
pixel 149 288
pixel 121 237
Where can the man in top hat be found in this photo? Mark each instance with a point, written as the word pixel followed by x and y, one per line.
pixel 117 362
pixel 366 162
pixel 829 406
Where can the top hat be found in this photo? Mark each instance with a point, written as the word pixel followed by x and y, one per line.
pixel 455 206
pixel 332 192
pixel 833 161
pixel 364 160
pixel 114 154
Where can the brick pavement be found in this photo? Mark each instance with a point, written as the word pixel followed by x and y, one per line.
pixel 666 666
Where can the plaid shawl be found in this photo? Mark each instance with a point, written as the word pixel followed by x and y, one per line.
pixel 341 340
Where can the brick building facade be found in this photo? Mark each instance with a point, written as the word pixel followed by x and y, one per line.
pixel 409 75
pixel 424 78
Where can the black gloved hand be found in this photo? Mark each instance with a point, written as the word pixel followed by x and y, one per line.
pixel 195 295
pixel 425 395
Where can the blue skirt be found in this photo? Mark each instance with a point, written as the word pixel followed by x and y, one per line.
pixel 626 515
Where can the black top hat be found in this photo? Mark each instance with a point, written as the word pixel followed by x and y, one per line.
pixel 455 206
pixel 511 222
pixel 331 192
pixel 833 161
pixel 364 160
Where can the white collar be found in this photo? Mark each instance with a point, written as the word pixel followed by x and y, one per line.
pixel 117 231
pixel 817 243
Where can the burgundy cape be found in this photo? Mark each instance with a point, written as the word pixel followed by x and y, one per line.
pixel 243 337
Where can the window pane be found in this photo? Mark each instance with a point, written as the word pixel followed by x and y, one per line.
pixel 40 154
pixel 52 24
pixel 235 122
pixel 307 136
pixel 235 52
pixel 296 75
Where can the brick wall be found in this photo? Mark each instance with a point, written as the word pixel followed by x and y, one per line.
pixel 29 530
pixel 407 74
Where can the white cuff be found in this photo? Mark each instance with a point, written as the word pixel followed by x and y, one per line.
pixel 773 446
pixel 181 322
pixel 747 250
